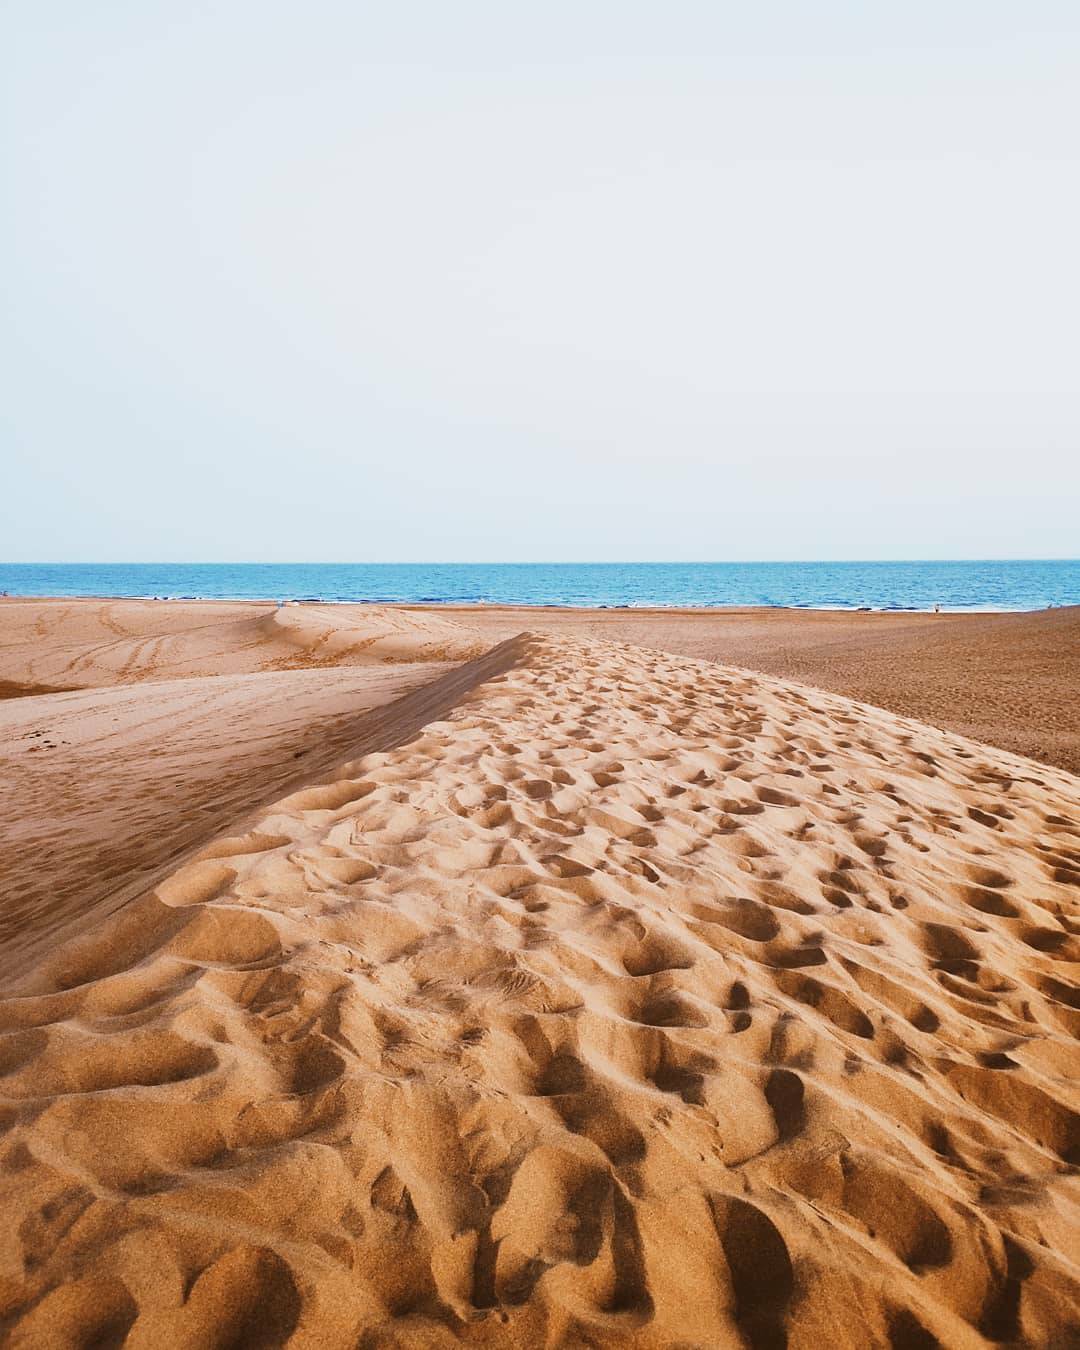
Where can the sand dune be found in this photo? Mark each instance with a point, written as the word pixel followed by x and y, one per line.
pixel 1007 679
pixel 82 643
pixel 632 1001
pixel 102 789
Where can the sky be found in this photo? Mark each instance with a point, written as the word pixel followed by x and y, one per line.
pixel 346 281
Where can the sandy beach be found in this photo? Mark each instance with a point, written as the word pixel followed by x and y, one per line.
pixel 1008 679
pixel 420 977
pixel 540 678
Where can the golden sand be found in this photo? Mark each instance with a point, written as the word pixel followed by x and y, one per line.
pixel 613 997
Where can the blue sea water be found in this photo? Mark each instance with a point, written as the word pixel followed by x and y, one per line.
pixel 975 585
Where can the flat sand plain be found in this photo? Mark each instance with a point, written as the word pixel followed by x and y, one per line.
pixel 605 995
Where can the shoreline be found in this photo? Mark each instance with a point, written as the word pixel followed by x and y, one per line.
pixel 530 607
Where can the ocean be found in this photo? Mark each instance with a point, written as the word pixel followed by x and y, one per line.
pixel 974 585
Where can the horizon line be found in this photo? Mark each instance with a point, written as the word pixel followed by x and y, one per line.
pixel 512 562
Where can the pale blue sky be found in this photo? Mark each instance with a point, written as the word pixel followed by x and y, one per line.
pixel 491 281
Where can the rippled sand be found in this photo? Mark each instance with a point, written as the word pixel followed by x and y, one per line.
pixel 634 1000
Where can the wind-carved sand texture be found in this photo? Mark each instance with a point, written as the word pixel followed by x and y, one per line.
pixel 104 790
pixel 1007 679
pixel 69 644
pixel 213 710
pixel 638 1001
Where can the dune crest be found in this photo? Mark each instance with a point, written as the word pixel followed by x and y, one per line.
pixel 638 1001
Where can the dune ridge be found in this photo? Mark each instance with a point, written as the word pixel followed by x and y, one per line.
pixel 185 717
pixel 1006 679
pixel 104 790
pixel 635 1000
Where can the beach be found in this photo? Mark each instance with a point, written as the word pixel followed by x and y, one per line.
pixel 424 976
pixel 1008 679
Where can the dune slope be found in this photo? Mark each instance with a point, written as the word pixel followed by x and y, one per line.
pixel 1007 679
pixel 102 790
pixel 83 643
pixel 637 1001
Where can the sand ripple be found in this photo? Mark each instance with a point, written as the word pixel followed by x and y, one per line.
pixel 639 1001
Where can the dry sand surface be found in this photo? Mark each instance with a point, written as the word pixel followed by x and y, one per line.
pixel 102 789
pixel 1008 679
pixel 614 998
pixel 77 644
pixel 163 741
pixel 1012 680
